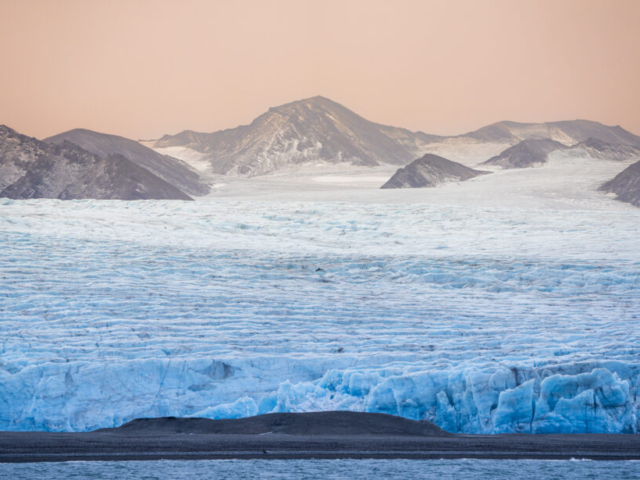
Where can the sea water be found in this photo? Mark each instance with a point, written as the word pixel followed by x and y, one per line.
pixel 326 469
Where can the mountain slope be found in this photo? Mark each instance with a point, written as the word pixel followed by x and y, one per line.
pixel 311 130
pixel 30 168
pixel 626 185
pixel 430 171
pixel 170 169
pixel 525 154
pixel 599 149
pixel 567 132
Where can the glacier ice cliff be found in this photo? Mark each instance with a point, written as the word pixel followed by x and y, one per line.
pixel 111 311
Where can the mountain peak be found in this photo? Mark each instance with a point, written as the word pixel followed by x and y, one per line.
pixel 314 129
pixel 7 130
pixel 317 102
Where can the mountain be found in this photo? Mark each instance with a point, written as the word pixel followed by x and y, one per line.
pixel 525 154
pixel 172 170
pixel 318 130
pixel 599 149
pixel 566 132
pixel 30 168
pixel 626 185
pixel 312 130
pixel 430 171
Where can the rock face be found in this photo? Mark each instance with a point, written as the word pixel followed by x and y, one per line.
pixel 602 150
pixel 170 169
pixel 30 168
pixel 430 171
pixel 626 185
pixel 526 154
pixel 312 130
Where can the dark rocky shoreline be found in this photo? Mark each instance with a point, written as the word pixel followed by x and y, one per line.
pixel 321 435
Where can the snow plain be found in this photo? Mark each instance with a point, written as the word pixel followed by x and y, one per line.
pixel 490 306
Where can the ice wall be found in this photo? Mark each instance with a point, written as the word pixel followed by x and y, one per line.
pixel 598 397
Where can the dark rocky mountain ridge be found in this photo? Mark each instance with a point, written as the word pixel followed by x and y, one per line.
pixel 170 169
pixel 430 171
pixel 30 168
pixel 525 154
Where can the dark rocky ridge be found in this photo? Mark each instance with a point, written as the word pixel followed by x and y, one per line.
pixel 313 423
pixel 30 168
pixel 626 185
pixel 526 154
pixel 430 171
pixel 170 169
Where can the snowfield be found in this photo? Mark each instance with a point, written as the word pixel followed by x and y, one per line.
pixel 482 319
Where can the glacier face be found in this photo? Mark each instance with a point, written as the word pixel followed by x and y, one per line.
pixel 483 320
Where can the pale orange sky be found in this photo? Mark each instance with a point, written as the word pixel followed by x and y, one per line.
pixel 143 68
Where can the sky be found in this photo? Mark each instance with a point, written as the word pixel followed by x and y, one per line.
pixel 144 68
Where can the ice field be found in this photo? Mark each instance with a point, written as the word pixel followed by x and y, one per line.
pixel 482 319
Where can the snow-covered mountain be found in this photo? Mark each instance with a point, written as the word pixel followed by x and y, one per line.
pixel 172 170
pixel 318 130
pixel 30 168
pixel 567 132
pixel 311 130
pixel 602 150
pixel 626 185
pixel 430 171
pixel 525 154
pixel 534 152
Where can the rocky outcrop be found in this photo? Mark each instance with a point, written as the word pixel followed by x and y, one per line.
pixel 625 185
pixel 527 153
pixel 430 171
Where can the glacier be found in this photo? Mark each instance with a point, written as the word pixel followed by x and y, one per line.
pixel 483 320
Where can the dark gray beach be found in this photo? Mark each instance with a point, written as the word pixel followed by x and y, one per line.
pixel 320 435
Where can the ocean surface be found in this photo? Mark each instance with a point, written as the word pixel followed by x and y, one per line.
pixel 326 469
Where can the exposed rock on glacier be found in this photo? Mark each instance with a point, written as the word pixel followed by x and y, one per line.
pixel 30 168
pixel 525 154
pixel 626 185
pixel 430 171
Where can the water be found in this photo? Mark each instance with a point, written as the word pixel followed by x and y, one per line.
pixel 326 469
